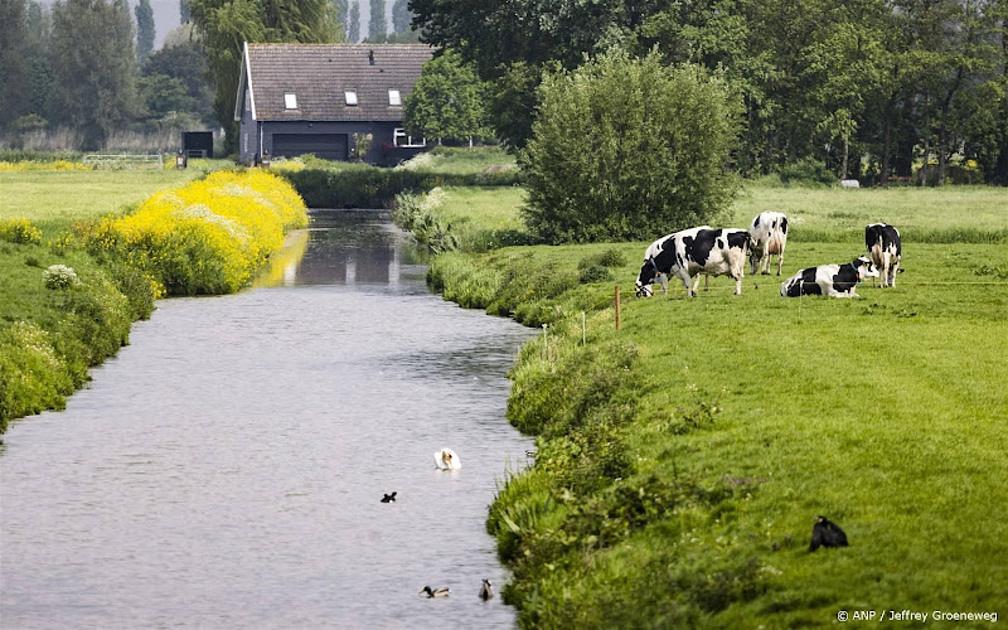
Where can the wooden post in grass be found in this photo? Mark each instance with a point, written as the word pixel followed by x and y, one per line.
pixel 617 307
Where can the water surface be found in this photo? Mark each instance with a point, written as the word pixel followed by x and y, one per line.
pixel 225 470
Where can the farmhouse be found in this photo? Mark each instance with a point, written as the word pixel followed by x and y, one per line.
pixel 337 101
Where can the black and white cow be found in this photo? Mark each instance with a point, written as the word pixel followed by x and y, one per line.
pixel 832 280
pixel 686 254
pixel 769 237
pixel 885 250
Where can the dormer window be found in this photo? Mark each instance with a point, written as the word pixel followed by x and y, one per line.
pixel 351 98
pixel 394 99
pixel 290 100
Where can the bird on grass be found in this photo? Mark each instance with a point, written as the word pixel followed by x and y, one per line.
pixel 826 533
pixel 388 498
pixel 486 591
pixel 440 591
pixel 447 459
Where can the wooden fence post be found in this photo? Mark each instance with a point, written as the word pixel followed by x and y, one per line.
pixel 617 307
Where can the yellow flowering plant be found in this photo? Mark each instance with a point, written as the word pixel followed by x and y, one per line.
pixel 209 236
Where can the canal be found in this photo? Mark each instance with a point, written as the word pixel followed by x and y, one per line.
pixel 225 470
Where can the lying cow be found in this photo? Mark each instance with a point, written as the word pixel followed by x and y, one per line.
pixel 769 237
pixel 885 250
pixel 686 254
pixel 832 280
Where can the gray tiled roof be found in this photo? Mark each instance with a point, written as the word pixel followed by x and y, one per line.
pixel 319 74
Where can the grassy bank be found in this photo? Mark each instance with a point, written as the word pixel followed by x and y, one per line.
pixel 69 292
pixel 682 460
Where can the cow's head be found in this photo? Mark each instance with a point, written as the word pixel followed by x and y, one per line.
pixel 645 278
pixel 865 268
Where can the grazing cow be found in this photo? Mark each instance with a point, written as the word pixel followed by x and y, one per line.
pixel 686 254
pixel 769 237
pixel 832 280
pixel 885 250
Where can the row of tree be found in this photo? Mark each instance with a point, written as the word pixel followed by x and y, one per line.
pixel 378 27
pixel 873 88
pixel 81 66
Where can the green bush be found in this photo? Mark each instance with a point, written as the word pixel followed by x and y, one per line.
pixel 594 273
pixel 362 186
pixel 607 258
pixel 621 145
pixel 806 172
pixel 413 214
pixel 140 289
pixel 33 376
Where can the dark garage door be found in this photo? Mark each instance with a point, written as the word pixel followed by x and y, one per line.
pixel 332 146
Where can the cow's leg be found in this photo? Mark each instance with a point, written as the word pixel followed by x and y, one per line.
pixel 840 294
pixel 663 280
pixel 696 284
pixel 766 260
pixel 886 261
pixel 687 281
pixel 706 282
pixel 892 273
pixel 780 261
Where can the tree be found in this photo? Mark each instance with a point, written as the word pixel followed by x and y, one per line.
pixel 448 101
pixel 40 77
pixel 145 29
pixel 224 25
pixel 623 144
pixel 185 63
pixel 401 16
pixel 12 62
pixel 341 15
pixel 376 24
pixel 184 14
pixel 353 23
pixel 97 82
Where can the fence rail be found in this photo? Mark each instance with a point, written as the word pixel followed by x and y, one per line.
pixel 124 160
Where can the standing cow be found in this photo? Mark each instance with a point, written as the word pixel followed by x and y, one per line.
pixel 686 254
pixel 769 237
pixel 832 280
pixel 885 250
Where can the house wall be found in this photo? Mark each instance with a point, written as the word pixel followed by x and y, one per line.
pixel 248 134
pixel 381 152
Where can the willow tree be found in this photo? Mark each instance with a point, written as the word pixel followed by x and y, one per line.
pixel 224 25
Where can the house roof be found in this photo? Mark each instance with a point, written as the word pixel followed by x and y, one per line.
pixel 320 74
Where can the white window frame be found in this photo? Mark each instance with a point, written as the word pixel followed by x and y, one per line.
pixel 350 98
pixel 399 133
pixel 394 98
pixel 290 100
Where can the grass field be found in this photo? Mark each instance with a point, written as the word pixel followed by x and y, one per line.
pixel 54 199
pixel 951 214
pixel 681 462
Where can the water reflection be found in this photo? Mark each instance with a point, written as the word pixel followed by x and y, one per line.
pixel 348 247
pixel 225 470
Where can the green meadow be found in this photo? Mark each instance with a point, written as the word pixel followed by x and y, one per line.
pixel 54 199
pixel 682 460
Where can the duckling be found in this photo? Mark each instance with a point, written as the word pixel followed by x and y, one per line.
pixel 447 459
pixel 440 591
pixel 388 498
pixel 486 591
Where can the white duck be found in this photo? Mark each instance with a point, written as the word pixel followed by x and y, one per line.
pixel 447 459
